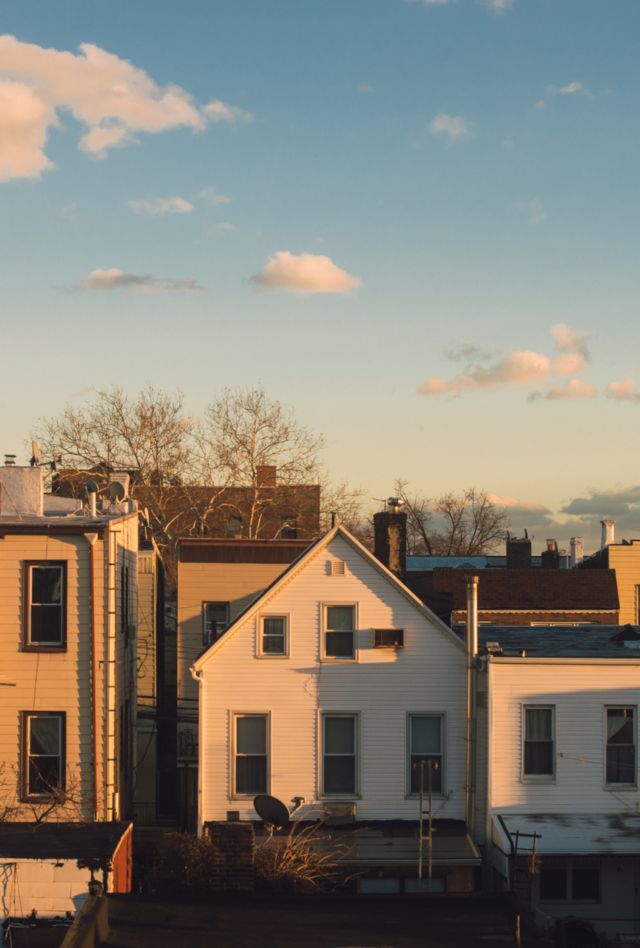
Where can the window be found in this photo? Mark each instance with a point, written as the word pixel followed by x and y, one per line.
pixel 575 879
pixel 289 529
pixel 539 755
pixel 339 742
pixel 339 631
pixel 425 744
pixel 43 755
pixel 621 745
pixel 273 635
pixel 388 638
pixel 234 526
pixel 251 754
pixel 45 612
pixel 215 619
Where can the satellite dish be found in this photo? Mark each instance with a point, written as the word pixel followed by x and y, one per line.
pixel 116 492
pixel 36 454
pixel 272 811
pixel 90 485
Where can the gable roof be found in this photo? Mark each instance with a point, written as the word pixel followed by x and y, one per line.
pixel 299 564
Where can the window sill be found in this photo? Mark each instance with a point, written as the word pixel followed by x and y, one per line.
pixel 617 787
pixel 339 660
pixel 44 648
pixel 270 657
pixel 434 796
pixel 339 797
pixel 534 780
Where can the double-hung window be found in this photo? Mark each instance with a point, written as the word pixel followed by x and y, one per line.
pixel 569 879
pixel 425 740
pixel 251 754
pixel 45 605
pixel 621 745
pixel 43 764
pixel 340 754
pixel 215 619
pixel 339 631
pixel 538 758
pixel 273 636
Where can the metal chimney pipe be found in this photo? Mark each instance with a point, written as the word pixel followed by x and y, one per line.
pixel 607 535
pixel 577 551
pixel 472 652
pixel 92 496
pixel 472 615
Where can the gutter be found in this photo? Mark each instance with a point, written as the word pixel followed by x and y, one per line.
pixel 91 540
pixel 110 807
pixel 471 731
pixel 197 676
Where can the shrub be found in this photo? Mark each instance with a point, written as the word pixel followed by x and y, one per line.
pixel 307 859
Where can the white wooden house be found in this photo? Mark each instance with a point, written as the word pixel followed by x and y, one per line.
pixel 333 686
pixel 562 774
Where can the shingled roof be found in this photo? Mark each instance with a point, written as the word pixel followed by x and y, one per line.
pixel 521 590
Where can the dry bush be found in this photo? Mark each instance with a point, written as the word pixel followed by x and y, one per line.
pixel 307 859
pixel 184 864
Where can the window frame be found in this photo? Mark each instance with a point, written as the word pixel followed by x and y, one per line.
pixel 323 650
pixel 25 727
pixel 621 786
pixel 538 778
pixel 260 651
pixel 213 602
pixel 354 794
pixel 442 715
pixel 235 716
pixel 27 584
pixel 569 870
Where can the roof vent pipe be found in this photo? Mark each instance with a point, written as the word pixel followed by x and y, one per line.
pixel 472 651
pixel 577 551
pixel 10 460
pixel 472 616
pixel 607 536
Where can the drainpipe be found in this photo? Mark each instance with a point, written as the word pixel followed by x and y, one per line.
pixel 197 676
pixel 110 807
pixel 91 539
pixel 472 653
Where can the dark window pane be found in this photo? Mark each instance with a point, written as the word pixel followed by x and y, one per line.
pixel 538 724
pixel 251 774
pixel 251 735
pixel 553 879
pixel 46 624
pixel 339 735
pixel 273 644
pixel 44 774
pixel 585 880
pixel 340 618
pixel 339 774
pixel 621 764
pixel 274 625
pixel 620 726
pixel 339 644
pixel 436 773
pixel 44 735
pixel 538 758
pixel 46 584
pixel 426 734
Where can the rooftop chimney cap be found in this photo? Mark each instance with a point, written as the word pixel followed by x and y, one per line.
pixel 395 504
pixel 10 460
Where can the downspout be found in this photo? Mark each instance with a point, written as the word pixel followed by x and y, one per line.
pixel 91 540
pixel 110 807
pixel 472 653
pixel 197 676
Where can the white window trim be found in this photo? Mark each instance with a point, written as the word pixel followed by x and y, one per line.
pixel 356 795
pixel 538 778
pixel 323 633
pixel 234 715
pixel 60 645
pixel 442 795
pixel 60 717
pixel 621 786
pixel 207 641
pixel 260 635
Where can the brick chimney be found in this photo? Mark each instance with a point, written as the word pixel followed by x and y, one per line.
pixel 266 475
pixel 21 490
pixel 550 558
pixel 608 534
pixel 518 553
pixel 577 551
pixel 390 537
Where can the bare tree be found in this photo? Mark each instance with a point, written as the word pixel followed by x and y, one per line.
pixel 67 803
pixel 465 524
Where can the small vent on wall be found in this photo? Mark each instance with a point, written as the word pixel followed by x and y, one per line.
pixel 336 568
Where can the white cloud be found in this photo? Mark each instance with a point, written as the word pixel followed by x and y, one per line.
pixel 508 142
pixel 483 371
pixel 365 88
pixel 114 279
pixel 109 96
pixel 498 6
pixel 453 127
pixel 304 273
pixel 626 391
pixel 213 197
pixel 226 227
pixel 571 89
pixel 534 210
pixel 156 207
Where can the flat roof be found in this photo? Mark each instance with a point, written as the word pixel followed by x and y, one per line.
pixel 597 834
pixel 579 641
pixel 60 840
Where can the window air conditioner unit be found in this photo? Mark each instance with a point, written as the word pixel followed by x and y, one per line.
pixel 338 812
pixel 388 638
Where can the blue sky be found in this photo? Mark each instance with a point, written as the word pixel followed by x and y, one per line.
pixel 470 174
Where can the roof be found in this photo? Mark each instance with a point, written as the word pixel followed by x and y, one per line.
pixel 583 641
pixel 490 561
pixel 210 550
pixel 594 834
pixel 60 840
pixel 523 590
pixel 299 563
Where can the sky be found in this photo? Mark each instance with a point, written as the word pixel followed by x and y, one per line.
pixel 415 221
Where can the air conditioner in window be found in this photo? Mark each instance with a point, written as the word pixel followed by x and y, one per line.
pixel 388 638
pixel 338 812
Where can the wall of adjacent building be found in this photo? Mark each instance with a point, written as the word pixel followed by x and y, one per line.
pixel 625 560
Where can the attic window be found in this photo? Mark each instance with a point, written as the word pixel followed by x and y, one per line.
pixel 388 638
pixel 336 568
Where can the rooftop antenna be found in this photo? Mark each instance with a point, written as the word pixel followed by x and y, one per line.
pixel 36 454
pixel 91 492
pixel 116 492
pixel 272 812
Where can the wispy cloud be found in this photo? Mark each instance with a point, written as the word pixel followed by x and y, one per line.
pixel 534 209
pixel 519 368
pixel 304 273
pixel 570 89
pixel 626 391
pixel 498 6
pixel 454 128
pixel 226 227
pixel 156 207
pixel 113 99
pixel 212 196
pixel 365 88
pixel 114 279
